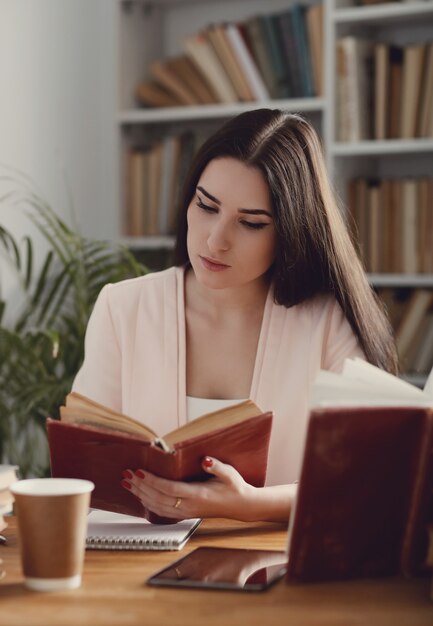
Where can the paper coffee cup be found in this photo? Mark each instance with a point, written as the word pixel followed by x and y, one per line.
pixel 52 522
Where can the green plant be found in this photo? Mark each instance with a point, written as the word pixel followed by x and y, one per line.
pixel 43 347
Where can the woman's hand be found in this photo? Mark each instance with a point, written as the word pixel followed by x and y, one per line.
pixel 225 495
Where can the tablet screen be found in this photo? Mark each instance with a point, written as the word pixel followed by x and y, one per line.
pixel 224 568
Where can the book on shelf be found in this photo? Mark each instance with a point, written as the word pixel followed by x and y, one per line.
pixel 413 58
pixel 354 97
pixel 425 227
pixel 276 54
pixel 150 93
pixel 364 500
pixel 418 359
pixel 299 30
pixel 395 54
pixel 389 84
pixel 394 304
pixel 154 162
pixel 246 62
pixel 193 79
pixel 284 27
pixel 254 28
pixel 114 531
pixel 389 224
pixel 163 74
pixel 171 149
pixel 410 264
pixel 137 192
pixel 357 210
pixel 393 221
pixel 375 214
pixel 417 308
pixel 218 38
pixel 314 18
pixel 201 52
pixel 381 90
pixel 425 120
pixel 235 435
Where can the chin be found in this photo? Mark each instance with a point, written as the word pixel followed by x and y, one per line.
pixel 213 281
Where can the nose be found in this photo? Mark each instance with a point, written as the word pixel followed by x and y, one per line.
pixel 219 236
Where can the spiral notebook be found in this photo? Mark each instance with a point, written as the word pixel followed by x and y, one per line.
pixel 113 531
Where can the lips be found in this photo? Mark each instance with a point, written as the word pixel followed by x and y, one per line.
pixel 213 265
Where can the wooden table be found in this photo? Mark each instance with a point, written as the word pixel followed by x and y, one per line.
pixel 113 592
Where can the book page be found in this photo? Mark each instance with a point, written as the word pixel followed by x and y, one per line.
pixel 363 384
pixel 358 369
pixel 428 387
pixel 82 410
pixel 222 418
pixel 330 388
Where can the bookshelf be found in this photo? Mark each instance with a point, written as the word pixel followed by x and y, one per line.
pixel 149 30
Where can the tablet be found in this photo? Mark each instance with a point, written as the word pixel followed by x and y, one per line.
pixel 238 569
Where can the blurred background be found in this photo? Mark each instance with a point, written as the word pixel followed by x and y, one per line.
pixel 103 104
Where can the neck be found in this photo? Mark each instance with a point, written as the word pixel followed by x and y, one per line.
pixel 242 300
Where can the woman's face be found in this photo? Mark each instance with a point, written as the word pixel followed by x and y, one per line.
pixel 231 234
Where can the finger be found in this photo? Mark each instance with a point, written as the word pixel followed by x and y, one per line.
pixel 172 488
pixel 155 501
pixel 225 473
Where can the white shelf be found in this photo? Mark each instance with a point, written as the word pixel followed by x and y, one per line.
pixel 151 3
pixel 388 146
pixel 401 280
pixel 215 111
pixel 395 12
pixel 147 243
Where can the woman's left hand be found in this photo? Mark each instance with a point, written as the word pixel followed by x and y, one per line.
pixel 225 495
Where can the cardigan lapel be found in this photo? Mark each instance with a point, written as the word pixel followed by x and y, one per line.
pixel 274 318
pixel 181 346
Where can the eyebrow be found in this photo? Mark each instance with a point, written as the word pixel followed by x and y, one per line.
pixel 246 211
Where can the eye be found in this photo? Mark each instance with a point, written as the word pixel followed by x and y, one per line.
pixel 255 225
pixel 206 207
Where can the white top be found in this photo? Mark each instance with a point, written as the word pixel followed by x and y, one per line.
pixel 195 407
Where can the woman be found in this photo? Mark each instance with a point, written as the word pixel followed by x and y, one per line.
pixel 267 289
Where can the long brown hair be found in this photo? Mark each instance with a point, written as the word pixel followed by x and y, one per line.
pixel 314 251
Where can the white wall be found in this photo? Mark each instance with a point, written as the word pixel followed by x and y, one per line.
pixel 57 84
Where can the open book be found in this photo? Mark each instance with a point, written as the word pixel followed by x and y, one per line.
pixel 95 443
pixel 365 496
pixel 361 383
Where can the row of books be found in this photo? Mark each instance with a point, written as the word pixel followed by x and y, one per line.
pixel 384 91
pixel 7 477
pixel 411 316
pixel 392 222
pixel 270 56
pixel 154 176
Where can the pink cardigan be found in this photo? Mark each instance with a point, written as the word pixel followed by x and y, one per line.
pixel 135 359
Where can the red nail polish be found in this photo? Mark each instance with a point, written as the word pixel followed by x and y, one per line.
pixel 127 474
pixel 207 462
pixel 125 484
pixel 140 473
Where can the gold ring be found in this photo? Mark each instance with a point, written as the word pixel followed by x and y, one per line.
pixel 177 503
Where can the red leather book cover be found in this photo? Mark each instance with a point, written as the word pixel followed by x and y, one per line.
pixel 365 494
pixel 81 451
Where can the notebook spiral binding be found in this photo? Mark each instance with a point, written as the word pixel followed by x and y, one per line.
pixel 128 543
